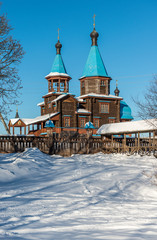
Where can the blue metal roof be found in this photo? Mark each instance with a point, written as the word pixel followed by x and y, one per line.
pixel 94 65
pixel 125 111
pixel 49 124
pixel 58 65
pixel 89 125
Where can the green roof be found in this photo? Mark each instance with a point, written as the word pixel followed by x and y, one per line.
pixel 94 65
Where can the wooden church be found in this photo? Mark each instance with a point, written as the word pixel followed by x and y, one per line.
pixel 70 113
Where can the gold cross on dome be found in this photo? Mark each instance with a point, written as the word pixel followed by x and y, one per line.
pixel 58 33
pixel 94 20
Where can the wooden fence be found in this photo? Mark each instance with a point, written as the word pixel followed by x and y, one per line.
pixel 70 145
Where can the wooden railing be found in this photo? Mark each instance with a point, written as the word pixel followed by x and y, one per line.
pixel 70 145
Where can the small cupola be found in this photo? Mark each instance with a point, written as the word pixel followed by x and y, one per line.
pixel 116 91
pixel 58 47
pixel 94 35
pixel 58 79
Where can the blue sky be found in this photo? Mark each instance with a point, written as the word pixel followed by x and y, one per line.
pixel 127 43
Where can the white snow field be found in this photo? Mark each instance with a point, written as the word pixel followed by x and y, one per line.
pixel 80 197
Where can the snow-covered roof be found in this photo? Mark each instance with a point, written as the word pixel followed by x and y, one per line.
pixel 59 97
pixel 80 99
pixel 57 93
pixel 82 110
pixel 43 118
pixel 24 120
pixel 128 127
pixel 29 121
pixel 89 125
pixel 40 104
pixel 52 74
pixel 99 96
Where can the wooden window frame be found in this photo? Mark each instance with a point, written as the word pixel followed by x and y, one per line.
pixel 81 118
pixel 104 103
pixel 96 119
pixel 49 105
pixel 102 83
pixel 65 118
pixel 112 120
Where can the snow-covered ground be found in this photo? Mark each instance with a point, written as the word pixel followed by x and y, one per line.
pixel 81 197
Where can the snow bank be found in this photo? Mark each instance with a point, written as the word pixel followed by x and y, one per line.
pixel 82 197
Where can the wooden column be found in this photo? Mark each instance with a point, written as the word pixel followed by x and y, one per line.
pixel 124 142
pixel 42 126
pixel 13 130
pixel 136 140
pixel 65 86
pixel 28 128
pixel 20 130
pixel 52 89
pixel 138 145
pixel 112 141
pixel 58 87
pixel 153 138
pixel 25 130
pixel 149 140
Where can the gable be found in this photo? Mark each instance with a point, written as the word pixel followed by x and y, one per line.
pixel 19 123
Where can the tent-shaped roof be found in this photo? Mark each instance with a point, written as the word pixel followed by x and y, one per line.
pixel 58 65
pixel 94 65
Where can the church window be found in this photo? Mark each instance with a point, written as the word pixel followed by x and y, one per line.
pixel 96 123
pixel 104 107
pixel 49 105
pixel 43 110
pixel 82 122
pixel 67 121
pixel 112 120
pixel 82 84
pixel 102 83
pixel 62 85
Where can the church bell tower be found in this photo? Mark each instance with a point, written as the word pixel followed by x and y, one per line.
pixel 95 78
pixel 58 79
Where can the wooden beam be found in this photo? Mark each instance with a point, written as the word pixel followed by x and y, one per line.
pixel 149 139
pixel 124 142
pixel 112 141
pixel 138 145
pixel 153 138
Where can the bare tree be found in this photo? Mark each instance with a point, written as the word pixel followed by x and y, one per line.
pixel 11 53
pixel 147 109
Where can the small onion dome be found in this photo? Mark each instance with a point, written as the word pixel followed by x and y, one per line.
pixel 89 125
pixel 94 35
pixel 116 91
pixel 58 47
pixel 125 111
pixel 49 124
